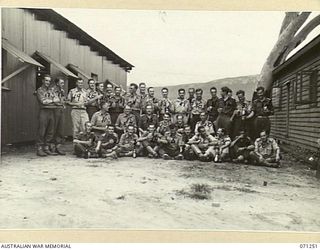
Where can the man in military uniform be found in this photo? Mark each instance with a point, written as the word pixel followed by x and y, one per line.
pixel 266 151
pixel 191 92
pixel 198 105
pixel 241 147
pixel 239 117
pixel 181 106
pixel 227 105
pixel 143 94
pixel 212 106
pixel 101 119
pixel 102 93
pixel 45 96
pixel 187 134
pixel 93 98
pixel 179 124
pixel 151 100
pixel 77 99
pixel 164 124
pixel 222 152
pixel 116 105
pixel 59 101
pixel 149 141
pixel 165 104
pixel 128 144
pixel 262 108
pixel 148 118
pixel 204 122
pixel 133 100
pixel 170 145
pixel 203 144
pixel 124 120
pixel 107 143
pixel 84 143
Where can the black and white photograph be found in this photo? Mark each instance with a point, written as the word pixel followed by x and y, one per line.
pixel 160 120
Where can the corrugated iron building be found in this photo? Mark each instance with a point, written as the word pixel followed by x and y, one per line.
pixel 38 41
pixel 296 97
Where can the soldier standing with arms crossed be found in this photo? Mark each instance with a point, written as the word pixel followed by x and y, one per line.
pixel 45 97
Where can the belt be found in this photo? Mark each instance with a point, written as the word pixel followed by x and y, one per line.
pixel 260 116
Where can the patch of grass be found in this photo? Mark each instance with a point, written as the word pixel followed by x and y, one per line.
pixel 197 192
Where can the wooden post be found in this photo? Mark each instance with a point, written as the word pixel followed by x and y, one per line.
pixel 16 72
pixel 318 162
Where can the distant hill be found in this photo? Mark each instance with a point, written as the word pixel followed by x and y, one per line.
pixel 246 83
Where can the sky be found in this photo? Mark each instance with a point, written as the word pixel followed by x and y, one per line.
pixel 178 47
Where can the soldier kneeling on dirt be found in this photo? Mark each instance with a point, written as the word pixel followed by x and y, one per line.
pixel 84 143
pixel 171 144
pixel 203 145
pixel 107 143
pixel 241 147
pixel 266 152
pixel 128 144
pixel 149 141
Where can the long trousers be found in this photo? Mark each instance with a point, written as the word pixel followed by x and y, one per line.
pixel 79 117
pixel 46 126
pixel 58 125
pixel 261 123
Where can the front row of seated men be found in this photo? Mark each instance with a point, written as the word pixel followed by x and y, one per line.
pixel 177 143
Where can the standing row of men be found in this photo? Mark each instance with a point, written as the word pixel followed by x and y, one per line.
pixel 107 107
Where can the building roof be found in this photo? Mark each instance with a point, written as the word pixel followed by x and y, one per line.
pixel 311 45
pixel 73 31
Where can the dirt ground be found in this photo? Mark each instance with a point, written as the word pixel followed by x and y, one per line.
pixel 141 193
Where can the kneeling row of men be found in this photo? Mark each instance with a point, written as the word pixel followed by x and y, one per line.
pixel 177 144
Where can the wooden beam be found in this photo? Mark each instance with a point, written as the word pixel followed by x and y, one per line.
pixel 3 88
pixel 16 72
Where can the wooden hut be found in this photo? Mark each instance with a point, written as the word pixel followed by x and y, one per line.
pixel 296 97
pixel 39 41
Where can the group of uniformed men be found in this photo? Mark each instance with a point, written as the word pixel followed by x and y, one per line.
pixel 109 122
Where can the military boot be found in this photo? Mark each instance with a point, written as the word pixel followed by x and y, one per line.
pixel 59 150
pixel 40 152
pixel 47 150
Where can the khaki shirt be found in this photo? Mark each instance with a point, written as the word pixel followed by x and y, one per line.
pixel 78 95
pixel 92 94
pixel 101 119
pixel 133 101
pixel 181 106
pixel 266 149
pixel 45 94
pixel 198 106
pixel 124 120
pixel 165 106
pixel 207 125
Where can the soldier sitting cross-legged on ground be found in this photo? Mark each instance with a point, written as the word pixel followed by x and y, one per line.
pixel 171 145
pixel 149 141
pixel 84 143
pixel 266 152
pixel 107 143
pixel 241 147
pixel 203 144
pixel 128 144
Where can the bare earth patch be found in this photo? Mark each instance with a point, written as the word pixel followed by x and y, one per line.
pixel 142 193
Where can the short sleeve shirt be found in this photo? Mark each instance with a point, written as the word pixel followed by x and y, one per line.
pixel 181 106
pixel 78 95
pixel 126 139
pixel 92 94
pixel 101 119
pixel 267 148
pixel 198 106
pixel 124 120
pixel 111 139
